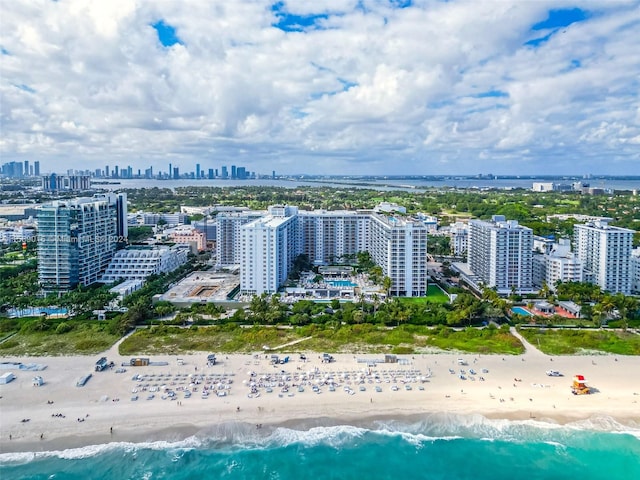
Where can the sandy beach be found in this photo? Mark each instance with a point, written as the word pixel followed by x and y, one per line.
pixel 61 415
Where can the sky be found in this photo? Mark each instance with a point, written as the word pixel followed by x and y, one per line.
pixel 336 87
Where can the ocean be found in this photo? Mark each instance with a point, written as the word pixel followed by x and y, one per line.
pixel 432 447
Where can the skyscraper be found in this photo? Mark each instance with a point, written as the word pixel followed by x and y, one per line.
pixel 36 168
pixel 176 173
pixel 77 238
pixel 197 171
pixel 225 172
pixel 234 174
pixel 501 254
pixel 605 252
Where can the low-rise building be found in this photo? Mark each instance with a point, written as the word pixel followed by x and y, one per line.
pixel 558 265
pixel 17 234
pixel 137 263
pixel 152 219
pixel 187 235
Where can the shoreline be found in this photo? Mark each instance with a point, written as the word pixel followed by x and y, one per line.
pixel 228 433
pixel 514 389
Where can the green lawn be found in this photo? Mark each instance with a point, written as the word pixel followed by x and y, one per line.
pixel 568 342
pixel 434 295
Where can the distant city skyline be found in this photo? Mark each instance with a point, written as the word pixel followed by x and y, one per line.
pixel 385 87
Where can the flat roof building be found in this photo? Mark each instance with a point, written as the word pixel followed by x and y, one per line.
pixel 605 252
pixel 78 238
pixel 501 254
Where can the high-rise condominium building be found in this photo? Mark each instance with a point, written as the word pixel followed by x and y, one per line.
pixel 500 254
pixel 605 252
pixel 228 235
pixel 270 243
pixel 78 238
pixel 399 246
pixel 330 236
pixel 268 248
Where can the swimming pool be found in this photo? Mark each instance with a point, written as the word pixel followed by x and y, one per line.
pixel 35 311
pixel 341 283
pixel 521 311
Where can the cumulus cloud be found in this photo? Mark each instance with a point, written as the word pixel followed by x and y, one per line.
pixel 334 86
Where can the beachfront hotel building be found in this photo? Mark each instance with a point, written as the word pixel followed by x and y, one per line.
pixel 78 238
pixel 329 236
pixel 500 254
pixel 269 244
pixel 605 252
pixel 268 247
pixel 399 246
pixel 137 263
pixel 229 235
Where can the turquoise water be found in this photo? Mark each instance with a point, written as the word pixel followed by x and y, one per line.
pixel 521 311
pixel 341 283
pixel 436 447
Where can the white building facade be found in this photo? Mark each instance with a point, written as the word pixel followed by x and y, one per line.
pixel 139 262
pixel 268 245
pixel 228 235
pixel 268 248
pixel 605 252
pixel 399 246
pixel 635 270
pixel 559 265
pixel 501 254
pixel 459 237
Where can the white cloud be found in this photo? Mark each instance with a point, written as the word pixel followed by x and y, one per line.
pixel 445 87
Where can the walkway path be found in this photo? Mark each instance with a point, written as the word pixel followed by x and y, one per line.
pixel 529 349
pixel 291 343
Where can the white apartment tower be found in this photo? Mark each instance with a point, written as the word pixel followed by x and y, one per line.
pixel 327 236
pixel 605 252
pixel 501 254
pixel 228 235
pixel 268 247
pixel 399 246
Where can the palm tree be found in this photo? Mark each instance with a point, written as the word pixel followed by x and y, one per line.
pixel 386 284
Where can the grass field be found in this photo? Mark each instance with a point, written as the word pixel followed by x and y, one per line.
pixel 364 338
pixel 434 295
pixel 568 342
